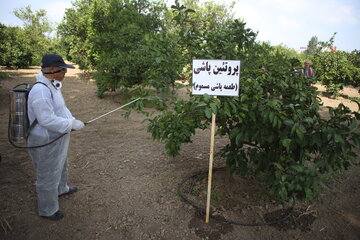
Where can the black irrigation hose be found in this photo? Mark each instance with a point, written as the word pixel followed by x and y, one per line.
pixel 202 174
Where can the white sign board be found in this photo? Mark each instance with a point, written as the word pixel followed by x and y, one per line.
pixel 215 77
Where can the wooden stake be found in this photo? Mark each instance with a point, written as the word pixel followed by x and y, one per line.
pixel 212 140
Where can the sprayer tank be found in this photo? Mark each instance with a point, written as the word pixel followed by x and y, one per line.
pixel 19 122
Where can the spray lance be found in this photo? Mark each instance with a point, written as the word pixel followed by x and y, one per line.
pixel 19 128
pixel 92 120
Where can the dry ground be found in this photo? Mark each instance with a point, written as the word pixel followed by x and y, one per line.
pixel 128 186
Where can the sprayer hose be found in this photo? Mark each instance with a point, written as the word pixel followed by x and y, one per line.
pixel 22 147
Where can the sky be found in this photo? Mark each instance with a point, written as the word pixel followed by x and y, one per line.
pixel 288 22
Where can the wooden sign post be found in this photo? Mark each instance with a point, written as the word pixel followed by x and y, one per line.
pixel 216 78
pixel 211 160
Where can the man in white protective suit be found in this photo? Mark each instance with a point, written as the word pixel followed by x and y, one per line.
pixel 46 105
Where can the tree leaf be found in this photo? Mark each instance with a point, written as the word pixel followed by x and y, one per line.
pixel 208 113
pixel 298 168
pixel 286 143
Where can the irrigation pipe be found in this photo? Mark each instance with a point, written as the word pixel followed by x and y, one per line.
pixel 203 174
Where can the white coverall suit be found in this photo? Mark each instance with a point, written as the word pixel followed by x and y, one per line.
pixel 50 161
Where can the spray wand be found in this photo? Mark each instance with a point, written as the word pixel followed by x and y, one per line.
pixel 92 120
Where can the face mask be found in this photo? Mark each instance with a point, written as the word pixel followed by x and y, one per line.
pixel 57 84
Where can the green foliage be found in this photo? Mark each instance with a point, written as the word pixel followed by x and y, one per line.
pixel 74 33
pixel 335 69
pixel 280 135
pixel 274 127
pixel 118 62
pixel 287 52
pixel 193 15
pixel 36 29
pixel 14 47
pixel 312 47
pixel 162 63
pixel 315 46
pixel 34 21
pixel 327 45
pixel 176 127
pixel 191 26
pixel 112 36
pixel 227 43
pixel 354 57
pixel 24 46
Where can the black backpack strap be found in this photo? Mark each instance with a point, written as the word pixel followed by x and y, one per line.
pixel 33 124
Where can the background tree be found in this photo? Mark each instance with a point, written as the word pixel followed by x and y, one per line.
pixel 313 46
pixel 286 51
pixel 37 29
pixel 118 30
pixel 335 70
pixel 188 25
pixel 15 47
pixel 328 45
pixel 354 57
pixel 74 32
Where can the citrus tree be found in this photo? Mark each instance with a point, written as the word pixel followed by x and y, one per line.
pixel 36 29
pixel 274 127
pixel 121 41
pixel 74 34
pixel 15 47
pixel 336 69
pixel 24 46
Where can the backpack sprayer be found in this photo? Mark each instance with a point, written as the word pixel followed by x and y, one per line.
pixel 19 127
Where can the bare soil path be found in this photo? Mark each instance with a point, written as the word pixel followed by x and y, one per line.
pixel 128 186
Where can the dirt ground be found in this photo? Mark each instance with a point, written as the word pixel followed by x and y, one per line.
pixel 128 185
